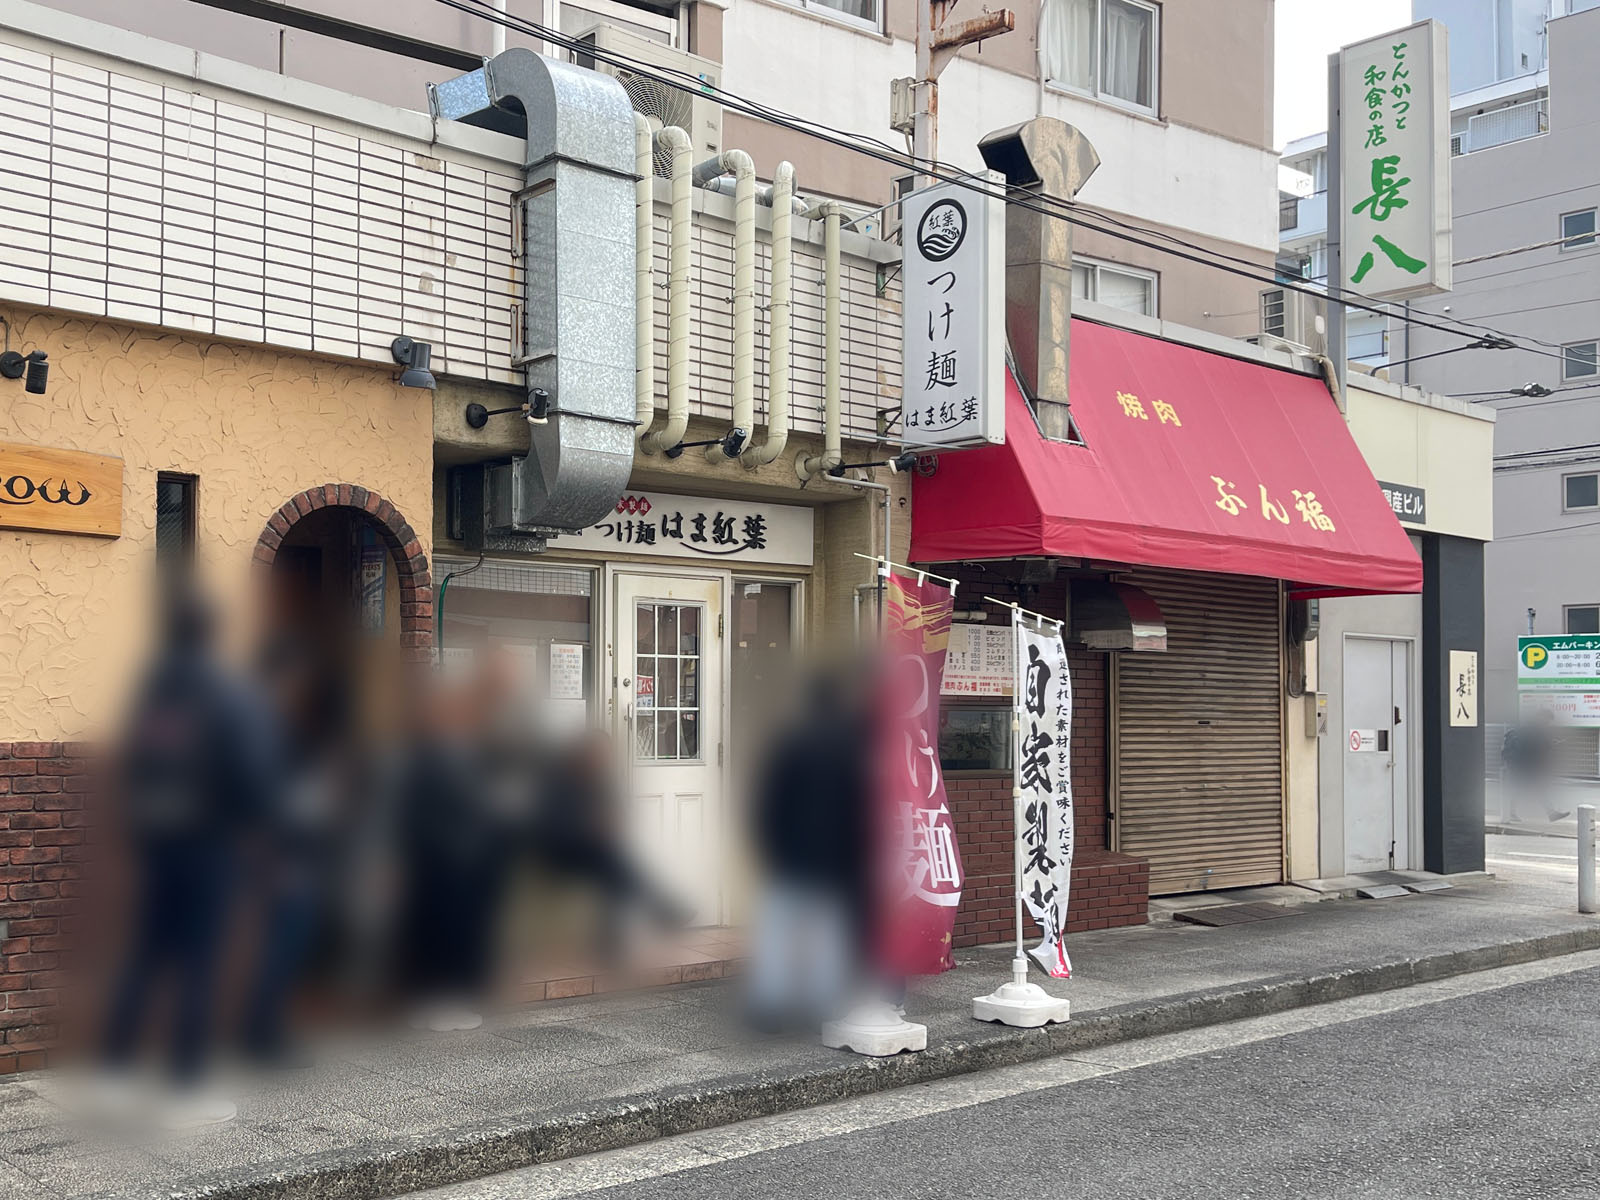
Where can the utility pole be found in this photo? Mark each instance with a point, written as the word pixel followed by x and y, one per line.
pixel 940 39
pixel 1335 317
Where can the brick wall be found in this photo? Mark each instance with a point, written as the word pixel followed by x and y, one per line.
pixel 1108 889
pixel 43 795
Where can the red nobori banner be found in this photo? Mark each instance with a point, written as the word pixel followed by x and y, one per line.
pixel 925 868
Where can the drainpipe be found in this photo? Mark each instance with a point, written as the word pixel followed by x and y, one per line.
pixel 779 321
pixel 737 163
pixel 676 142
pixel 644 379
pixel 810 465
pixel 877 567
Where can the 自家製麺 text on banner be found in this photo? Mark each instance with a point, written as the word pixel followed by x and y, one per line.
pixel 1043 706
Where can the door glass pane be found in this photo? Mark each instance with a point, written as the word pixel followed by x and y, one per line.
pixel 666 684
pixel 666 734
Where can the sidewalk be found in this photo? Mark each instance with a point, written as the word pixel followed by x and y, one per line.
pixel 574 1076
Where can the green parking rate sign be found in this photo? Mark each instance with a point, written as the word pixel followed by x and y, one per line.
pixel 1564 663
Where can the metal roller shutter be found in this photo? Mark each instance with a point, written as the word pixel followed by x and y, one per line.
pixel 1197 759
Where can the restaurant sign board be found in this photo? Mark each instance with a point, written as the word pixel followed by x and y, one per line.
pixel 953 267
pixel 45 490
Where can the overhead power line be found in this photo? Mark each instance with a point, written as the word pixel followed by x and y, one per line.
pixel 1547 451
pixel 1560 241
pixel 1040 203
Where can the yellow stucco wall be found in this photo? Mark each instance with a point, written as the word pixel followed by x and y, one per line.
pixel 255 424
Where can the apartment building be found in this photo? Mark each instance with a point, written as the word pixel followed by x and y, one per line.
pixel 1524 141
pixel 1543 569
pixel 1186 148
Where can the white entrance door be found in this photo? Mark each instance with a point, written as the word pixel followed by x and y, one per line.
pixel 1376 749
pixel 669 672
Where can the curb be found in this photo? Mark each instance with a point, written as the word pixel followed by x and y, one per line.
pixel 405 1164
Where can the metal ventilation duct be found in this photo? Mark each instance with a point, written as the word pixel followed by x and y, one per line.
pixel 578 238
pixel 1043 160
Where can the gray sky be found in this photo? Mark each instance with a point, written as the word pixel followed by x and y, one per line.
pixel 1307 32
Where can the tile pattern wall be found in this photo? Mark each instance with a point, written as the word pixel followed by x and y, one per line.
pixel 133 199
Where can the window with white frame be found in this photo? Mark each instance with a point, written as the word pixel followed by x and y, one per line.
pixel 866 13
pixel 1583 618
pixel 1580 360
pixel 1577 229
pixel 1119 287
pixel 579 16
pixel 1108 49
pixel 1580 492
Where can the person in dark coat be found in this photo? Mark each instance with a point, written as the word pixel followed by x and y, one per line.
pixel 198 765
pixel 813 837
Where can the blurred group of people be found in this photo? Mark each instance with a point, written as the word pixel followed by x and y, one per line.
pixel 270 839
pixel 279 847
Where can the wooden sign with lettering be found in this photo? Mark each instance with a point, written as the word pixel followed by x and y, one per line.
pixel 60 491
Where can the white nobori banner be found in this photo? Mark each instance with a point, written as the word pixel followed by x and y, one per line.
pixel 1043 707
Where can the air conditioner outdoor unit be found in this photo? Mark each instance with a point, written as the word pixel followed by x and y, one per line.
pixel 1293 316
pixel 697 112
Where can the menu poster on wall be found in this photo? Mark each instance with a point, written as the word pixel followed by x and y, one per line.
pixel 566 670
pixel 979 661
pixel 373 580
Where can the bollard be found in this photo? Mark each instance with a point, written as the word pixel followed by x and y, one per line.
pixel 1586 903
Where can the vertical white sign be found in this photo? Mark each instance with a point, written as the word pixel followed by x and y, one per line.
pixel 953 273
pixel 1394 163
pixel 1043 712
pixel 1464 687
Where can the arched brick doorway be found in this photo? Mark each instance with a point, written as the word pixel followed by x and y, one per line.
pixel 396 534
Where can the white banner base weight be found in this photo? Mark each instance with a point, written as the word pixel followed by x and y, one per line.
pixel 876 1030
pixel 1020 1003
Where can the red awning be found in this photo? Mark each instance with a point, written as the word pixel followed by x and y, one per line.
pixel 1191 460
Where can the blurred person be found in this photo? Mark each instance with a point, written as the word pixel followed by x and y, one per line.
pixel 813 830
pixel 303 826
pixel 458 851
pixel 578 836
pixel 198 765
pixel 1530 759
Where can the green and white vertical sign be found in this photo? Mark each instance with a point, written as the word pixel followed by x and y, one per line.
pixel 1394 163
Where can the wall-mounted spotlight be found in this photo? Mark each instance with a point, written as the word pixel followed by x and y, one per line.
pixel 12 365
pixel 899 464
pixel 732 443
pixel 536 409
pixel 415 357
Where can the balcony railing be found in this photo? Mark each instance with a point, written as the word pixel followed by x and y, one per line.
pixel 1503 125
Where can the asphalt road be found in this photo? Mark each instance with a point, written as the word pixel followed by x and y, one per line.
pixel 1481 1086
